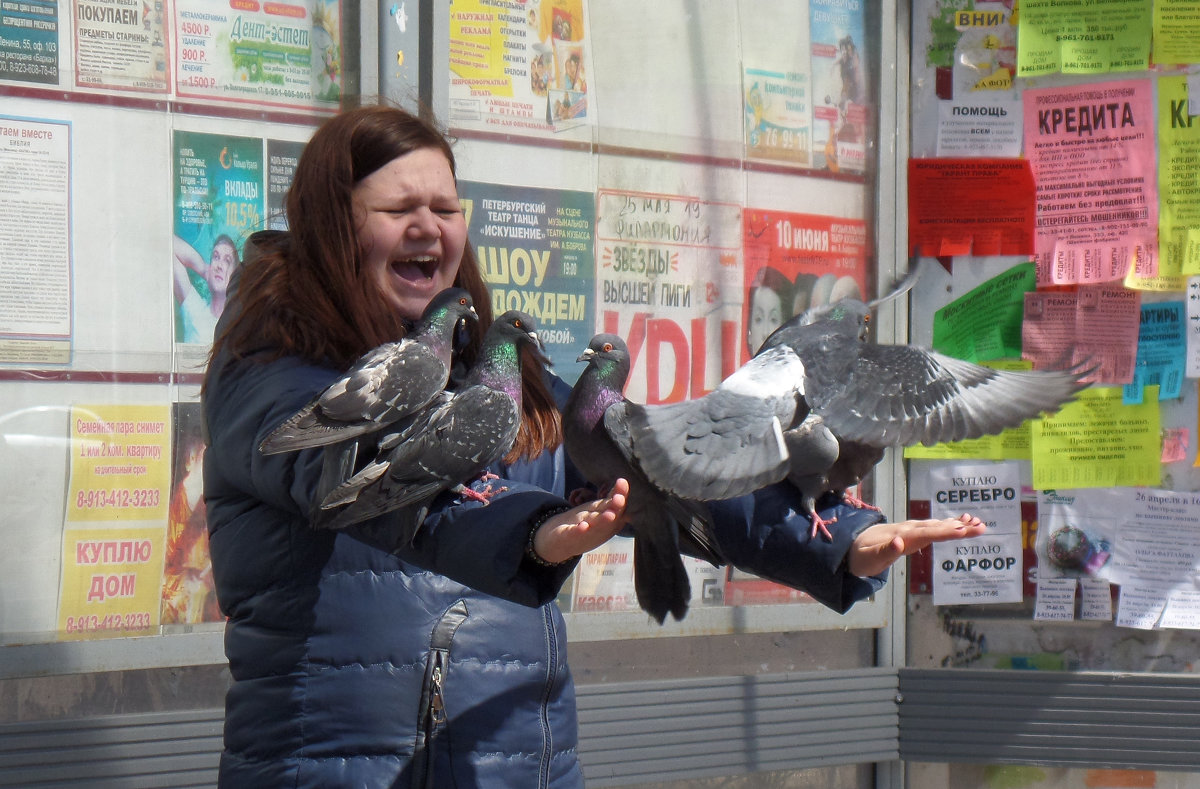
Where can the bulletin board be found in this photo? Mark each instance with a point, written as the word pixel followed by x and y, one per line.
pixel 655 162
pixel 1052 178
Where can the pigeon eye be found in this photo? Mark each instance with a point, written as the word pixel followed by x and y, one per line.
pixel 463 302
pixel 608 347
pixel 517 323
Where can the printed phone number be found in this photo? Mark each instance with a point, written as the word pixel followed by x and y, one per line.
pixel 93 623
pixel 99 499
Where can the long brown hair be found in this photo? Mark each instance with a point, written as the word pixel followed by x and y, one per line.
pixel 306 293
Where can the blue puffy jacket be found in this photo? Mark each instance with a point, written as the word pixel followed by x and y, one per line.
pixel 443 664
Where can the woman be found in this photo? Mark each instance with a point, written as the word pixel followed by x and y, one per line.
pixel 443 663
pixel 769 301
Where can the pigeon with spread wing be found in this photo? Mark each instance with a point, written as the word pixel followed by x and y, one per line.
pixel 818 404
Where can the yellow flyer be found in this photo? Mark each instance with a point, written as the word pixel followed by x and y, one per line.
pixel 1178 179
pixel 1082 36
pixel 112 558
pixel 1096 441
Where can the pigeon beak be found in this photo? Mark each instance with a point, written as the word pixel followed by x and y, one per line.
pixel 586 356
pixel 471 316
pixel 539 350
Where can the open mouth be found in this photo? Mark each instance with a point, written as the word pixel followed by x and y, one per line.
pixel 418 268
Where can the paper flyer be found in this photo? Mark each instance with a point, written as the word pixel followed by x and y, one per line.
pixel 987 125
pixel 603 580
pixel 188 592
pixel 1179 181
pixel 839 79
pixel 1083 36
pixel 1096 441
pixel 122 44
pixel 282 158
pixel 669 281
pixel 535 252
pixel 988 568
pixel 796 261
pixel 36 310
pixel 1078 531
pixel 970 206
pixel 29 42
pixel 1176 36
pixel 113 534
pixel 1192 328
pixel 1094 327
pixel 985 323
pixel 1092 151
pixel 219 202
pixel 520 67
pixel 1160 355
pixel 776 83
pixel 286 55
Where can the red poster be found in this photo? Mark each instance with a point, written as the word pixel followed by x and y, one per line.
pixel 796 261
pixel 970 206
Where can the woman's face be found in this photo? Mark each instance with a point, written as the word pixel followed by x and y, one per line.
pixel 221 266
pixel 412 232
pixel 766 315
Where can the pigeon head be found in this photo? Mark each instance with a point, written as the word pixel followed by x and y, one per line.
pixel 516 329
pixel 448 307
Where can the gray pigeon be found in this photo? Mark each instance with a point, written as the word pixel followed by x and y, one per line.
pixel 384 385
pixel 818 404
pixel 596 438
pixel 449 443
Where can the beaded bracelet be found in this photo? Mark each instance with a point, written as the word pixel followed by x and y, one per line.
pixel 530 552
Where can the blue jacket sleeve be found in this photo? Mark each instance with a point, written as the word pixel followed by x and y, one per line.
pixel 766 534
pixel 483 546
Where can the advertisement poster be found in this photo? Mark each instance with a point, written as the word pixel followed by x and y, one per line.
pixel 981 127
pixel 1092 151
pixel 1083 36
pixel 188 593
pixel 116 504
pixel 985 323
pixel 603 580
pixel 35 241
pixel 1176 32
pixel 1094 327
pixel 1096 441
pixel 29 41
pixel 282 158
pixel 1161 350
pixel 535 251
pixel 218 203
pixel 988 568
pixel 776 89
pixel 519 67
pixel 121 44
pixel 269 54
pixel 839 92
pixel 669 282
pixel 1178 179
pixel 970 206
pixel 796 261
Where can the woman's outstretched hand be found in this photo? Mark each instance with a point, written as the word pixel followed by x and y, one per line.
pixel 584 527
pixel 879 546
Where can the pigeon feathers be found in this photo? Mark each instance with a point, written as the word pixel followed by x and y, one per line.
pixel 818 404
pixel 384 385
pixel 450 442
pixel 597 439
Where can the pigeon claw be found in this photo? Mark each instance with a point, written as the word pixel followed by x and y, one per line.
pixel 483 496
pixel 855 501
pixel 821 525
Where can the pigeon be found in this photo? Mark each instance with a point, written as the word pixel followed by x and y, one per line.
pixel 384 385
pixel 596 439
pixel 818 404
pixel 449 443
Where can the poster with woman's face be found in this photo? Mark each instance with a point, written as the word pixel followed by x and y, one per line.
pixel 797 261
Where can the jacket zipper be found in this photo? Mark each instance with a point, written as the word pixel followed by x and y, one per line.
pixel 432 716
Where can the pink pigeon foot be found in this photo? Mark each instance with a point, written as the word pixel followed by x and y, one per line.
pixel 855 501
pixel 821 525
